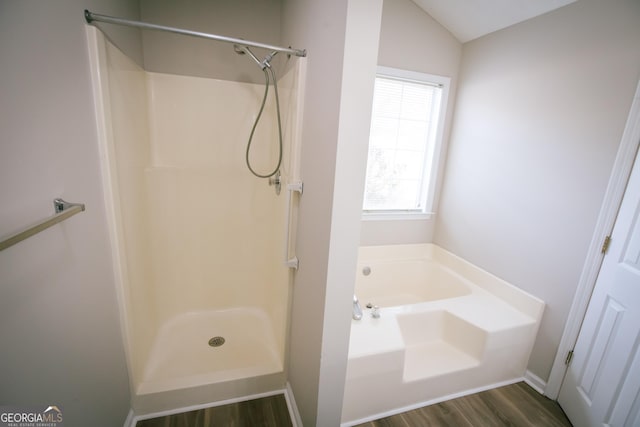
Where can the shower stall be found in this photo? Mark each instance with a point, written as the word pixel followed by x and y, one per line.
pixel 201 247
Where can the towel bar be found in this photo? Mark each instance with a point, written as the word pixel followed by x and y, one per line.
pixel 63 211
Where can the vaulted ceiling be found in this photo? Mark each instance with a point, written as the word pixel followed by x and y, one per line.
pixel 470 19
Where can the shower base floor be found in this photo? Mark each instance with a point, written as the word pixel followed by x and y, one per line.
pixel 181 356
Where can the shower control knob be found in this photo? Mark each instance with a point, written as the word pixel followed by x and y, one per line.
pixel 276 181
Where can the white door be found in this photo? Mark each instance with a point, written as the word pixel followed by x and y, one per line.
pixel 602 384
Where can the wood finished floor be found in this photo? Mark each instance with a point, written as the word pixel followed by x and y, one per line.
pixel 264 412
pixel 516 405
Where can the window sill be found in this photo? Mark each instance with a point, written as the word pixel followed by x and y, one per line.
pixel 397 216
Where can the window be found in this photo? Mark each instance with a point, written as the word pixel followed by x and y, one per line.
pixel 404 143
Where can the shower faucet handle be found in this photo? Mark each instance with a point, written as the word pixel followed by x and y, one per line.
pixel 276 180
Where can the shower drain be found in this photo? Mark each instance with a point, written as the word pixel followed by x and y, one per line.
pixel 216 341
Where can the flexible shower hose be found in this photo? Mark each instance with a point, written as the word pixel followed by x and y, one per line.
pixel 255 124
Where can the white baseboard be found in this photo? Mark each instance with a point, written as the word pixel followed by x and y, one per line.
pixel 131 419
pixel 536 383
pixel 293 407
pixel 130 422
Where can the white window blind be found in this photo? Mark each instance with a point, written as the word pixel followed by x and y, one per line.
pixel 404 126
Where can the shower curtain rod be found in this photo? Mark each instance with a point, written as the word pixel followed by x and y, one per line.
pixel 90 17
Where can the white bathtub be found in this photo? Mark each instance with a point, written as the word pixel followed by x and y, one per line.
pixel 446 327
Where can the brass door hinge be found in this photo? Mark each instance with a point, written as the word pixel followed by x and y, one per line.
pixel 569 357
pixel 605 244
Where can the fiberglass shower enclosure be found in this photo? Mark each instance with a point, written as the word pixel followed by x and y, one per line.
pixel 198 240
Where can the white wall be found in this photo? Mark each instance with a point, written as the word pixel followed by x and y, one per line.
pixel 329 220
pixel 358 78
pixel 318 27
pixel 59 324
pixel 411 39
pixel 540 111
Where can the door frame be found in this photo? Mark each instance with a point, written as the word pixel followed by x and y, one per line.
pixel 608 213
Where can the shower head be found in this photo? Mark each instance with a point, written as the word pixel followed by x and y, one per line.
pixel 267 59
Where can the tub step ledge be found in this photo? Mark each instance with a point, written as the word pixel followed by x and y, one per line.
pixel 434 359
